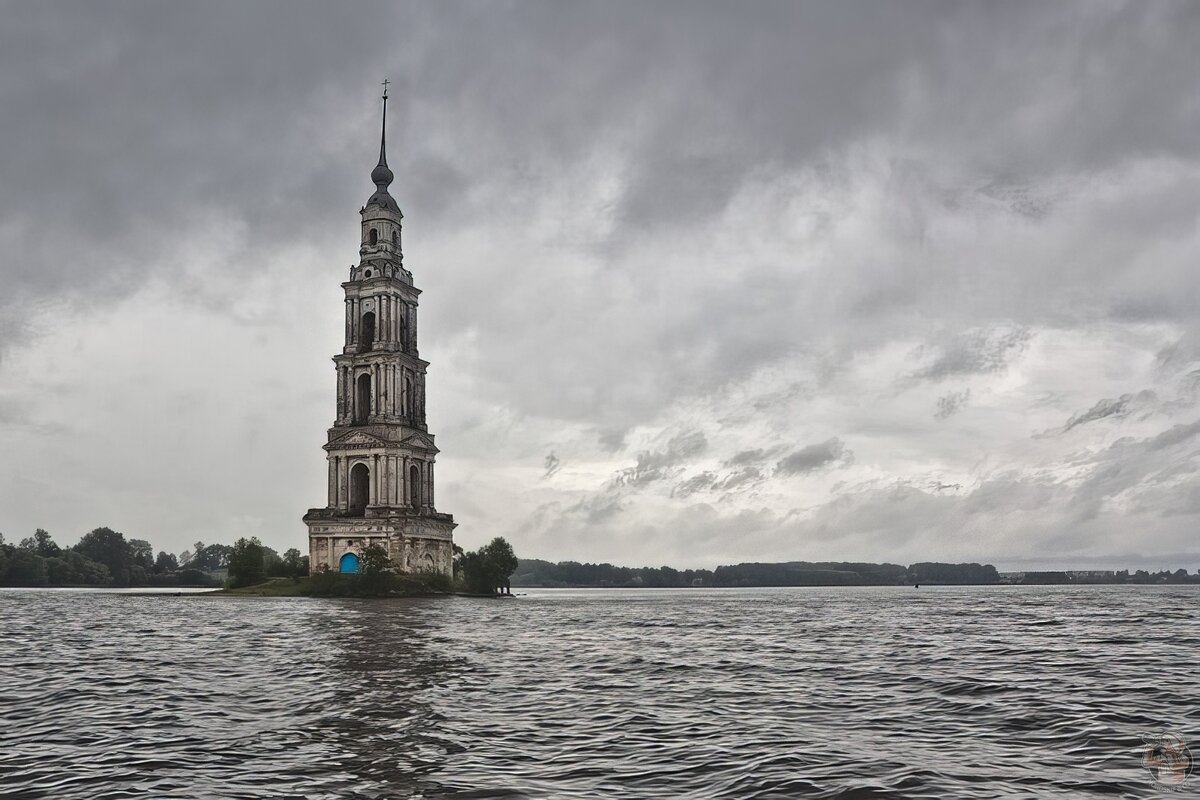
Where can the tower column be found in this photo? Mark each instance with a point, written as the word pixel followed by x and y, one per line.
pixel 332 481
pixel 374 480
pixel 384 317
pixel 406 500
pixel 387 481
pixel 424 485
pixel 395 483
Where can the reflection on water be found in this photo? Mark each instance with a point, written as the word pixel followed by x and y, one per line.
pixel 854 692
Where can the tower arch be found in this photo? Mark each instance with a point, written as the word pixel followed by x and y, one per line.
pixel 367 338
pixel 360 488
pixel 362 398
pixel 414 486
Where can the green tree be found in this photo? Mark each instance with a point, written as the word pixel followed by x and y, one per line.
pixel 294 562
pixel 502 561
pixel 109 548
pixel 25 568
pixel 42 544
pixel 165 562
pixel 376 570
pixel 246 566
pixel 272 563
pixel 489 568
pixel 141 553
pixel 85 571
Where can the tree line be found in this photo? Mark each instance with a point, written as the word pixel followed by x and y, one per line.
pixel 104 557
pixel 535 572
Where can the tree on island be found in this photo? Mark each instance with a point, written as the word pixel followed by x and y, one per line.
pixel 141 553
pixel 376 570
pixel 42 544
pixel 487 570
pixel 207 558
pixel 24 568
pixel 108 547
pixel 246 566
pixel 165 562
pixel 294 565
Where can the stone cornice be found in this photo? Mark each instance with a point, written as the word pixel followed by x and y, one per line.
pixel 378 357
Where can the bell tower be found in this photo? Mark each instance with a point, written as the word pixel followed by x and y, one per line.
pixel 379 451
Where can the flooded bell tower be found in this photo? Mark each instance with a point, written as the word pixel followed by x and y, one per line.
pixel 379 451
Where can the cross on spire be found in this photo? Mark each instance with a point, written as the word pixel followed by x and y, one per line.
pixel 385 88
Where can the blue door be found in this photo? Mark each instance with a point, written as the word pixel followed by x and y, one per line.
pixel 349 563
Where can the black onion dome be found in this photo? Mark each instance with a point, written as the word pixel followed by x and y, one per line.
pixel 381 176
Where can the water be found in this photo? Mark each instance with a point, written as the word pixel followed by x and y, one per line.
pixel 764 693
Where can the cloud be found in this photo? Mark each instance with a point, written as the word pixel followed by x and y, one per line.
pixel 972 352
pixel 662 464
pixel 697 483
pixel 813 457
pixel 950 404
pixel 1116 408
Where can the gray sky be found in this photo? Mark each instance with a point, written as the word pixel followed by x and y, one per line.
pixel 703 282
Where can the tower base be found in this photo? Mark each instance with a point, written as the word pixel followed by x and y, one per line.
pixel 415 542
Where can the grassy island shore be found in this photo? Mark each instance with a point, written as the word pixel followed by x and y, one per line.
pixel 338 585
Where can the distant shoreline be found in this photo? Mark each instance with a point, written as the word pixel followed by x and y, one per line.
pixel 537 573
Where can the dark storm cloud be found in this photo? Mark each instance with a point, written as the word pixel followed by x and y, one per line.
pixel 128 118
pixel 814 457
pixel 1118 407
pixel 126 124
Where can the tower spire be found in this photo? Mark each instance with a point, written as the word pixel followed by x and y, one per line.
pixel 383 127
pixel 381 176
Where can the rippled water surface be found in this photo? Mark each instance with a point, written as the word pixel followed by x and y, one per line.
pixel 863 693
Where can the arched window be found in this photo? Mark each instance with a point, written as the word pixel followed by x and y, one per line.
pixel 408 398
pixel 362 399
pixel 414 486
pixel 367 339
pixel 395 237
pixel 373 237
pixel 360 492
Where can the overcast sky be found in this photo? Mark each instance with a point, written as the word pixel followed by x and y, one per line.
pixel 703 283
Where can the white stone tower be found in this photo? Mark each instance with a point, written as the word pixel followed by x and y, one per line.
pixel 379 450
